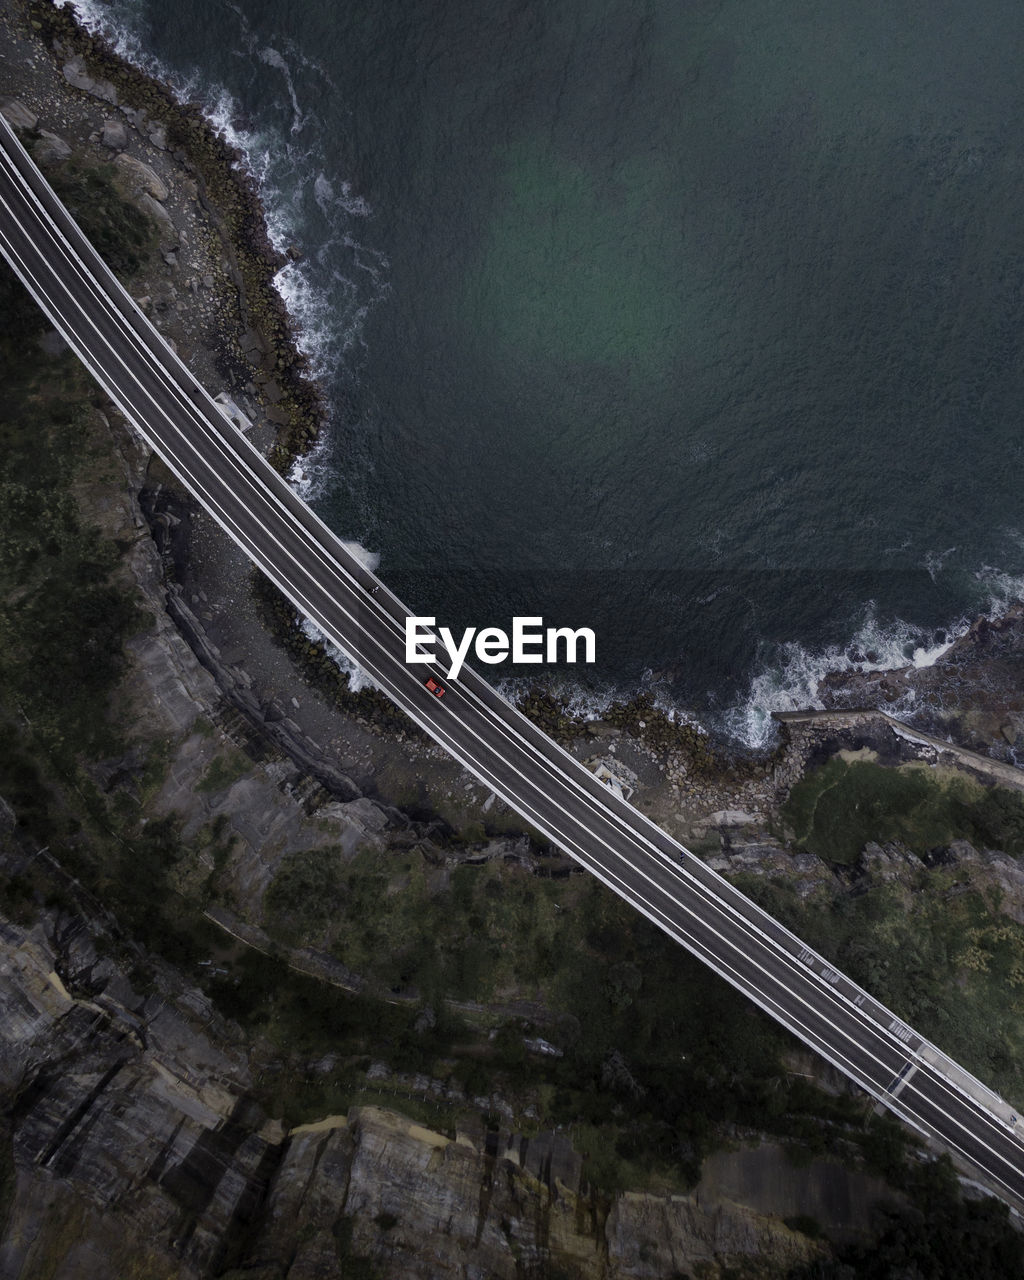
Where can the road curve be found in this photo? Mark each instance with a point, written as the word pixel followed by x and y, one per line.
pixel 504 750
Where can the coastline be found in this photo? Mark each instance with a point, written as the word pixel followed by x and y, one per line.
pixel 266 340
pixel 732 732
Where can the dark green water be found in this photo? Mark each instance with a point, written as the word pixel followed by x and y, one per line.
pixel 695 323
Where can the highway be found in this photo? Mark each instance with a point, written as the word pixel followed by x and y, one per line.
pixel 506 752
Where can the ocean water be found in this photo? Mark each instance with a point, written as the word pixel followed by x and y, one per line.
pixel 698 323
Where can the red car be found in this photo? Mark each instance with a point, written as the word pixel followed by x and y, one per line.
pixel 436 689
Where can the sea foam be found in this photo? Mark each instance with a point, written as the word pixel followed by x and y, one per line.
pixel 328 307
pixel 790 677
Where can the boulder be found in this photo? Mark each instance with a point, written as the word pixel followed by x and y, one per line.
pixel 50 149
pixel 731 818
pixel 137 177
pixel 18 115
pixel 115 135
pixel 77 76
pixel 891 861
pixel 165 227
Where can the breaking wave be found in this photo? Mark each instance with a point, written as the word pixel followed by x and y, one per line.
pixel 790 676
pixel 357 677
pixel 328 308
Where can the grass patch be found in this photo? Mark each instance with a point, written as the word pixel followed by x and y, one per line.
pixel 835 811
pixel 307 893
pixel 224 771
pixel 471 932
pixel 122 234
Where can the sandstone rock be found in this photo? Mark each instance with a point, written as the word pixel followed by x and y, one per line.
pixel 361 820
pixel 17 115
pixel 114 135
pixel 75 74
pixel 962 851
pixel 168 233
pixel 50 149
pixel 731 818
pixel 413 1203
pixel 137 177
pixel 890 862
pixel 667 1235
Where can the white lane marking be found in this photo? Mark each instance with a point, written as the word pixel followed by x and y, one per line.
pixel 746 923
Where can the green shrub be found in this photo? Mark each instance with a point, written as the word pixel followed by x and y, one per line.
pixel 308 891
pixel 122 234
pixel 835 811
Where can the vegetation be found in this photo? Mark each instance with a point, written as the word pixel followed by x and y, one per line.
pixel 468 933
pixel 656 1058
pixel 122 234
pixel 940 1236
pixel 835 811
pixel 939 955
pixel 225 770
pixel 63 620
pixel 309 891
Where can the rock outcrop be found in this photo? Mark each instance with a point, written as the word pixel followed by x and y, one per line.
pixel 139 1149
pixel 136 176
pixel 77 76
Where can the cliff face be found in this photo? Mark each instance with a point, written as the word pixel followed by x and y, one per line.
pixel 139 1150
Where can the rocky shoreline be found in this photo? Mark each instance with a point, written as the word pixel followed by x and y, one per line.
pixel 973 694
pixel 262 344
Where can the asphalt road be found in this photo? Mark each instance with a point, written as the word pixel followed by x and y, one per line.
pixel 507 753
